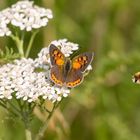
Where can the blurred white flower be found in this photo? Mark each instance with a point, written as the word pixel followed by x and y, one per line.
pixel 4 20
pixel 4 31
pixel 65 91
pixel 28 16
pixel 89 68
pixel 25 15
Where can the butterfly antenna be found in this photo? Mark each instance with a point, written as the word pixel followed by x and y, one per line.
pixel 75 52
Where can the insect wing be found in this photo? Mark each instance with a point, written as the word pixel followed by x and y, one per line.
pixel 56 75
pixel 78 66
pixel 56 56
pixel 57 59
pixel 74 78
pixel 82 61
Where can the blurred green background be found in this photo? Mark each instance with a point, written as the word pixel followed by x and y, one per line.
pixel 106 106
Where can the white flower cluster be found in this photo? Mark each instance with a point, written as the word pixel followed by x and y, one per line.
pixel 21 80
pixel 25 15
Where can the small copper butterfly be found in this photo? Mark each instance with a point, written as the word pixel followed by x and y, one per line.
pixel 66 72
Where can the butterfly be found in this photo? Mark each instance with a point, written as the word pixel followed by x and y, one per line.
pixel 66 72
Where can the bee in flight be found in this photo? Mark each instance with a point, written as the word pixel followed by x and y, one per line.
pixel 136 78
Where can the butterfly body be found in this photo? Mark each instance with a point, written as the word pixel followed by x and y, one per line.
pixel 66 72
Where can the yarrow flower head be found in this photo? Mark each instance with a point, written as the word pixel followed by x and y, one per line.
pixel 22 80
pixel 25 15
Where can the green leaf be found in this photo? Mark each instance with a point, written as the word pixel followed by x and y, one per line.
pixel 8 55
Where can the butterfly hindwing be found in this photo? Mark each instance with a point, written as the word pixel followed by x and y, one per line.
pixel 56 75
pixel 82 61
pixel 74 78
pixel 78 66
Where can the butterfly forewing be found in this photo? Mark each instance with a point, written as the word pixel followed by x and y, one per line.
pixel 82 61
pixel 56 56
pixel 57 61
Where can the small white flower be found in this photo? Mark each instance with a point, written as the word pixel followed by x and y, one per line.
pixel 59 98
pixel 65 95
pixel 65 92
pixel 43 59
pixel 5 19
pixel 89 68
pixel 4 31
pixel 66 47
pixel 62 91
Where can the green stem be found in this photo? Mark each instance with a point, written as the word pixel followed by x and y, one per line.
pixel 25 113
pixel 19 104
pixel 8 109
pixel 14 107
pixel 3 104
pixel 28 134
pixel 19 44
pixel 47 110
pixel 43 129
pixel 30 44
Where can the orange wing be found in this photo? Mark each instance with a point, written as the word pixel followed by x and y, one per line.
pixel 57 59
pixel 81 61
pixel 56 56
pixel 79 65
